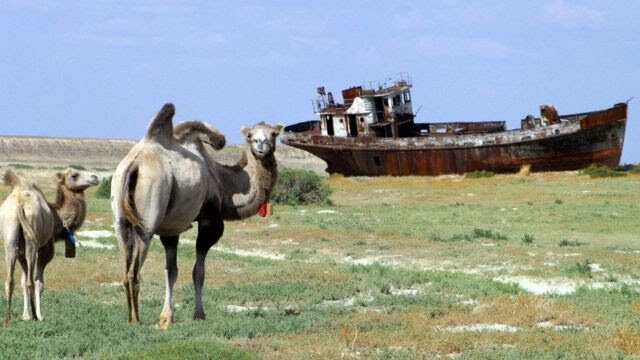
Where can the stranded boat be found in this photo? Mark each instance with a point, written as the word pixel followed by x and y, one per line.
pixel 373 133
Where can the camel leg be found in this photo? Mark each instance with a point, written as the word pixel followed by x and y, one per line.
pixel 45 254
pixel 130 239
pixel 10 260
pixel 140 249
pixel 30 254
pixel 24 280
pixel 210 229
pixel 171 274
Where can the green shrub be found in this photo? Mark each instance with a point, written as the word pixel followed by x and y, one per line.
pixel 21 166
pixel 595 171
pixel 300 187
pixel 104 189
pixel 77 167
pixel 566 242
pixel 479 174
pixel 528 239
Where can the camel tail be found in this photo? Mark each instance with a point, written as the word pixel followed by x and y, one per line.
pixel 11 179
pixel 24 201
pixel 161 127
pixel 127 191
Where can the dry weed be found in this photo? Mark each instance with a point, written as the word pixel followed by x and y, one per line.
pixel 626 340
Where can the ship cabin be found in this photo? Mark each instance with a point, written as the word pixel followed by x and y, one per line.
pixel 379 110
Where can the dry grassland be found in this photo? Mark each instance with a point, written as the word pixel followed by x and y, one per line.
pixel 539 265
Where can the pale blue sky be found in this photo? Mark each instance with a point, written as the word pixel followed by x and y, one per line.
pixel 103 68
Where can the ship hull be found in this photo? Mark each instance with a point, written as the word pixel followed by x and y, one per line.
pixel 579 141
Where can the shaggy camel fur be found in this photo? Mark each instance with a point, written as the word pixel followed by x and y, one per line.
pixel 29 226
pixel 167 181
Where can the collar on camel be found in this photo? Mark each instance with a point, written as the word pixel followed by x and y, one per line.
pixel 263 210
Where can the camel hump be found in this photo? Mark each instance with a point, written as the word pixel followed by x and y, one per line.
pixel 196 130
pixel 161 127
pixel 11 179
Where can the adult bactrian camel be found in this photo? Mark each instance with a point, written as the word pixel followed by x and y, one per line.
pixel 168 181
pixel 29 226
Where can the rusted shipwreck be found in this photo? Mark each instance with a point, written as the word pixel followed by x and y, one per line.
pixel 373 133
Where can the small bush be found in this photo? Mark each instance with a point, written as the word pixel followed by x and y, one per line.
pixel 21 166
pixel 566 242
pixel 78 167
pixel 584 268
pixel 300 187
pixel 595 171
pixel 479 174
pixel 527 239
pixel 104 189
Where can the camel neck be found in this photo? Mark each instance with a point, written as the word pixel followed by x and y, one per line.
pixel 247 185
pixel 70 207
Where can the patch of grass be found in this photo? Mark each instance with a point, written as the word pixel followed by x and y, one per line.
pixel 78 167
pixel 479 174
pixel 475 234
pixel 21 166
pixel 528 239
pixel 300 187
pixel 582 268
pixel 572 243
pixel 104 188
pixel 595 171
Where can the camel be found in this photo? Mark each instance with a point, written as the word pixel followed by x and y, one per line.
pixel 29 226
pixel 168 181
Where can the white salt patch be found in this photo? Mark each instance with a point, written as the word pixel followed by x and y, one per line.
pixel 488 244
pixel 572 254
pixel 238 308
pixel 370 260
pixel 95 234
pixel 348 301
pixel 256 253
pixel 550 325
pixel 405 292
pixel 273 225
pixel 480 327
pixel 95 245
pixel 327 212
pixel 468 302
pixel 595 267
pixel 541 286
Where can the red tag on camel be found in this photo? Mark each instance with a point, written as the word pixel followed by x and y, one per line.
pixel 263 210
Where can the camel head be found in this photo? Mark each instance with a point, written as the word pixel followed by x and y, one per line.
pixel 198 131
pixel 76 180
pixel 262 138
pixel 11 179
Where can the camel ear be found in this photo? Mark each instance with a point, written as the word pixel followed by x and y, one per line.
pixel 60 177
pixel 245 131
pixel 279 128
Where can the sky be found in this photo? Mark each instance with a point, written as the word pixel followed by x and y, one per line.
pixel 102 69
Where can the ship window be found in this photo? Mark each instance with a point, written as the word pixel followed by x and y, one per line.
pixel 376 160
pixel 407 97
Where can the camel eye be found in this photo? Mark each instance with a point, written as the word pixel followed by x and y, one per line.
pixel 75 176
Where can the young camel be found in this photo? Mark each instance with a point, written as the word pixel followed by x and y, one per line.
pixel 29 226
pixel 167 181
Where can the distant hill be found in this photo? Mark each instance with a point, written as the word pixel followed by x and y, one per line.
pixel 107 153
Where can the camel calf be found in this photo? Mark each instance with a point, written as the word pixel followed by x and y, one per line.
pixel 29 226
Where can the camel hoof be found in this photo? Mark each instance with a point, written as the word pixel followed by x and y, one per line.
pixel 163 324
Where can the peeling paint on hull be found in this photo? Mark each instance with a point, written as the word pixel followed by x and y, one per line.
pixel 578 141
